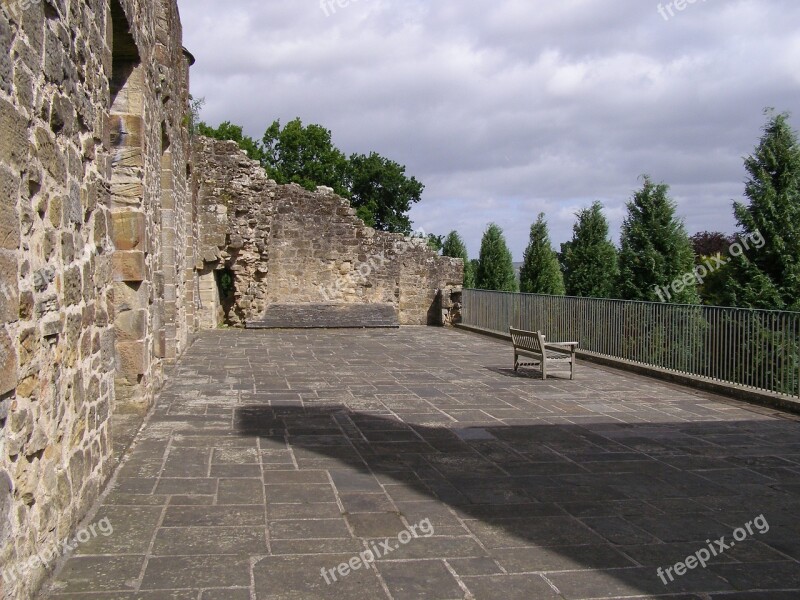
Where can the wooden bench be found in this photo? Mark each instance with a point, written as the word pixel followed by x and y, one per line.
pixel 533 345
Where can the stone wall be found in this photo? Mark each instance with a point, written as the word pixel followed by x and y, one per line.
pixel 96 251
pixel 112 253
pixel 284 245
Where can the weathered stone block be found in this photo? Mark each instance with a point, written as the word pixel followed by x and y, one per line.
pixel 129 266
pixel 100 230
pixel 6 66
pixel 9 222
pixel 9 287
pixel 8 363
pixel 166 180
pixel 14 144
pixel 131 325
pixel 126 131
pixel 160 344
pixel 52 325
pixel 130 296
pixel 72 286
pixel 51 157
pixel 131 358
pixel 127 190
pixel 128 230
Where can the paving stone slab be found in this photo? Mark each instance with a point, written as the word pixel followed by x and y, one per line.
pixel 273 454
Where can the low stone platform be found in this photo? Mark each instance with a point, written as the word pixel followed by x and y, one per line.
pixel 274 458
pixel 327 316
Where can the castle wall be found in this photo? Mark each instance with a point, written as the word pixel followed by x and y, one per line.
pixel 287 245
pixel 96 251
pixel 114 243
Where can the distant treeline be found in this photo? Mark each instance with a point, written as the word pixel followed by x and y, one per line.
pixel 758 267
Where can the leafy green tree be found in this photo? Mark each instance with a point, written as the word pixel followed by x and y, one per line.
pixel 435 242
pixel 378 188
pixel 590 257
pixel 192 118
pixel 766 272
pixel 304 155
pixel 656 260
pixel 495 266
pixel 710 243
pixel 381 192
pixel 235 133
pixel 454 247
pixel 540 272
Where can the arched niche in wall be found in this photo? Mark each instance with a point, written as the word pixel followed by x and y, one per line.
pixel 165 310
pixel 128 222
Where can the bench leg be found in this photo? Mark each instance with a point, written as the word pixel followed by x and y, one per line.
pixel 544 368
pixel 516 362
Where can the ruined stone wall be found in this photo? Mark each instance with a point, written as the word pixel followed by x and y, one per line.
pixel 287 245
pixel 112 253
pixel 96 251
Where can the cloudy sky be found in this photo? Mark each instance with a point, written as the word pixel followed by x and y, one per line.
pixel 508 108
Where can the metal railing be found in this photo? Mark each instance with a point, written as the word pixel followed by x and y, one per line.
pixel 759 349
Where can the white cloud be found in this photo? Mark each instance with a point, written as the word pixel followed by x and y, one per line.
pixel 505 108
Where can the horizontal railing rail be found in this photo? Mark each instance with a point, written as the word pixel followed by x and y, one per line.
pixel 758 349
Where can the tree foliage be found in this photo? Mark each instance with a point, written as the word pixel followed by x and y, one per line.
pixel 655 249
pixel 191 119
pixel 435 242
pixel 541 272
pixel 304 155
pixel 767 274
pixel 454 247
pixel 378 188
pixel 381 192
pixel 590 261
pixel 710 243
pixel 495 266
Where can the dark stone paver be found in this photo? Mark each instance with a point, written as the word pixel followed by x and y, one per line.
pixel 274 455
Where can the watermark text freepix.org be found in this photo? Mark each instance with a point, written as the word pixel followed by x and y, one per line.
pixel 361 271
pixel 102 527
pixel 753 240
pixel 702 556
pixel 329 6
pixel 376 551
pixel 668 11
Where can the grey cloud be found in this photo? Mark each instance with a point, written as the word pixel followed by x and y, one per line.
pixel 504 108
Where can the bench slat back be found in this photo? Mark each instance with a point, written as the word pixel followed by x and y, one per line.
pixel 527 340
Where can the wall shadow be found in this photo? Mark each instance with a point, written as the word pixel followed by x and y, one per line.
pixel 619 499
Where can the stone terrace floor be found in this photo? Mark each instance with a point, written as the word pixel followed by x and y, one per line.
pixel 273 455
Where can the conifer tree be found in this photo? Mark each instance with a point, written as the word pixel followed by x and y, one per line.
pixel 454 247
pixel 495 266
pixel 767 273
pixel 590 258
pixel 541 272
pixel 656 260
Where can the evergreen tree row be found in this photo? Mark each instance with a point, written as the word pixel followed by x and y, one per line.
pixel 759 267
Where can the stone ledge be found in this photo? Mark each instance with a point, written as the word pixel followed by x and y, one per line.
pixel 327 316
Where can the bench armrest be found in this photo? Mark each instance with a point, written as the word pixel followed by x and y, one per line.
pixel 555 345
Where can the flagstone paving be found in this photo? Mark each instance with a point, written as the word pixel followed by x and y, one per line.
pixel 273 457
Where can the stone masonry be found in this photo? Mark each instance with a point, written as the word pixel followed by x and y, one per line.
pixel 286 245
pixel 115 242
pixel 96 251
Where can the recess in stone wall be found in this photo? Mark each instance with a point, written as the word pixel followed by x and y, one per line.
pixel 128 228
